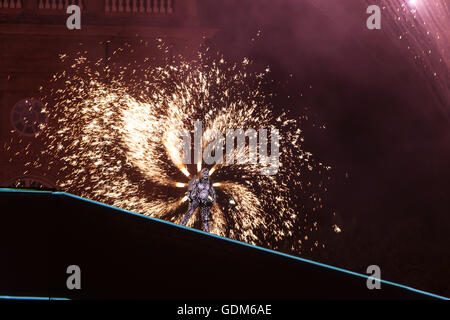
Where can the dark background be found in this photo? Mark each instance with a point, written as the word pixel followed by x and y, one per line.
pixel 122 256
pixel 387 135
pixel 386 131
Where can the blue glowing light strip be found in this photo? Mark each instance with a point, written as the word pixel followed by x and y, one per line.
pixel 32 298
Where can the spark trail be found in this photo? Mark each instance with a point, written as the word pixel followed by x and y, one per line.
pixel 422 27
pixel 112 136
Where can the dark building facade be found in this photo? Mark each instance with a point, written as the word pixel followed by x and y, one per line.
pixel 33 33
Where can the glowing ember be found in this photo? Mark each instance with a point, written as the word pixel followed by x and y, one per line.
pixel 112 136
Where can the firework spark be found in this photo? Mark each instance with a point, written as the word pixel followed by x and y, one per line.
pixel 112 135
pixel 423 28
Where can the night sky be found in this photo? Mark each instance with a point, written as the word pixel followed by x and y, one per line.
pixel 387 135
pixel 377 104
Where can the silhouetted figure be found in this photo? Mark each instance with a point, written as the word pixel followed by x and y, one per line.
pixel 201 194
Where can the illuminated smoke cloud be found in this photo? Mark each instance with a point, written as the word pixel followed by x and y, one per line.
pixel 423 28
